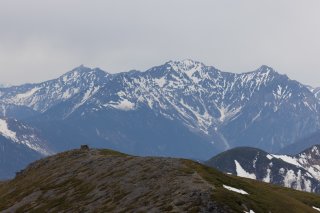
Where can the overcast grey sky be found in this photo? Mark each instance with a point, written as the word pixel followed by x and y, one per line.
pixel 42 39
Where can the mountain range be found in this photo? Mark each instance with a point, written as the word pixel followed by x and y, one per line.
pixel 178 109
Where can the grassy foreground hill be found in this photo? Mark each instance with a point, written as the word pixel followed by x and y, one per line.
pixel 108 181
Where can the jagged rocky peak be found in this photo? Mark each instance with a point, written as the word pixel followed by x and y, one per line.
pixel 40 97
pixel 261 76
pixel 184 65
pixel 179 67
pixel 264 71
pixel 81 72
pixel 83 69
pixel 189 66
pixel 187 71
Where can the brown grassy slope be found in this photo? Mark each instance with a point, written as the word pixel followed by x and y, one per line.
pixel 108 181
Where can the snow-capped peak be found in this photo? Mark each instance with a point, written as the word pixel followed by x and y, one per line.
pixel 185 63
pixel 265 68
pixel 81 68
pixel 78 82
pixel 82 72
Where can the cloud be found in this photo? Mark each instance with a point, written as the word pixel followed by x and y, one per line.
pixel 40 40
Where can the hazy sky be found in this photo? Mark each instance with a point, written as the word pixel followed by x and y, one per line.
pixel 42 39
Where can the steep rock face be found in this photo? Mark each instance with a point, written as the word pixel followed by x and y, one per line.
pixel 213 110
pixel 301 172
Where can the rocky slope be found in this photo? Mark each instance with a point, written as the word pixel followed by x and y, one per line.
pixel 301 171
pixel 108 181
pixel 187 109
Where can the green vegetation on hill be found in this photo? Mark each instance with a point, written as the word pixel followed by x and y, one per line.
pixel 109 181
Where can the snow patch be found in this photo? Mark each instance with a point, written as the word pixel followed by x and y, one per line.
pixel 267 179
pixel 318 209
pixel 161 81
pixel 4 110
pixel 243 173
pixel 67 94
pixel 256 117
pixel 315 150
pixel 86 96
pixel 6 132
pixel 292 180
pixel 255 161
pixel 27 94
pixel 288 159
pixel 240 191
pixel 269 156
pixel 124 104
pixel 222 114
pixel 307 185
